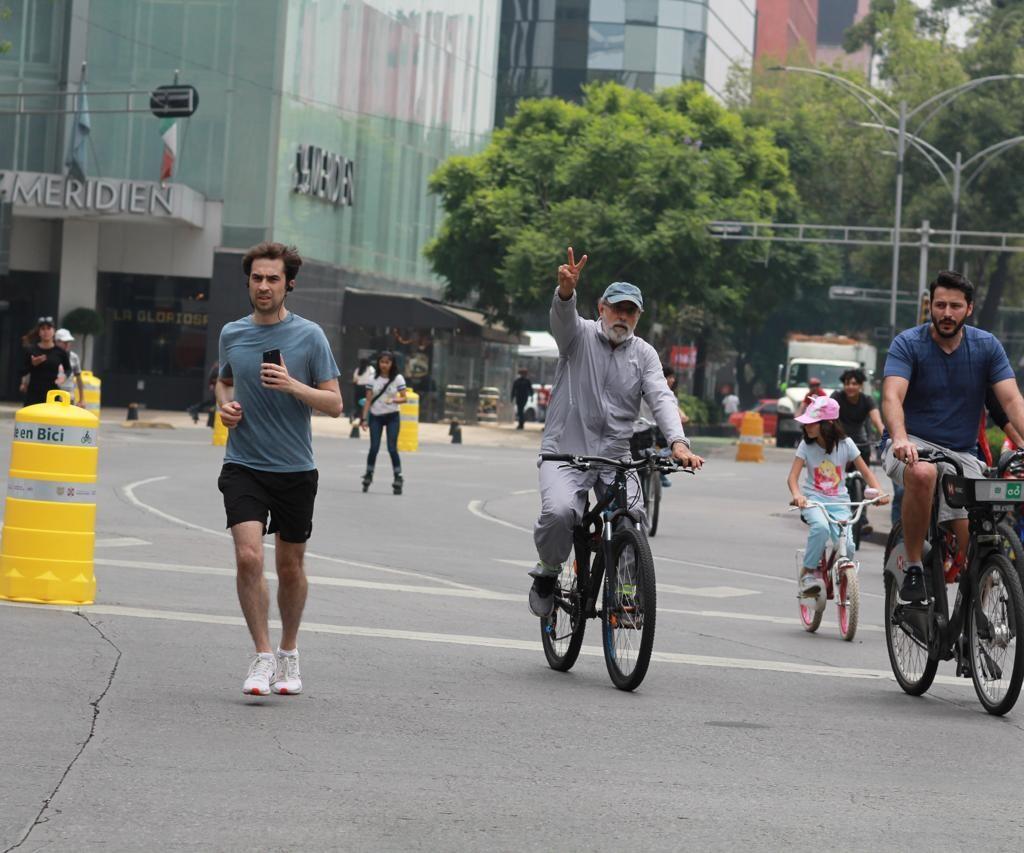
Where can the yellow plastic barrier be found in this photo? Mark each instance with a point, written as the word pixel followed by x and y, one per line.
pixel 409 434
pixel 92 386
pixel 751 446
pixel 220 432
pixel 46 553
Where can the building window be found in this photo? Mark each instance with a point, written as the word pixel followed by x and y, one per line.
pixel 155 325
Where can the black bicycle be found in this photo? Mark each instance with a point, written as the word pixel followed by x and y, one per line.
pixel 643 448
pixel 609 545
pixel 982 631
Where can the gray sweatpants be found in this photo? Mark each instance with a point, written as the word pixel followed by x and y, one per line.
pixel 563 494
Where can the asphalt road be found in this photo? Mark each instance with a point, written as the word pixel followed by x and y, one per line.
pixel 430 720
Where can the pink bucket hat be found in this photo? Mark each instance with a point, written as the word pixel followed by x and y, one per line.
pixel 821 409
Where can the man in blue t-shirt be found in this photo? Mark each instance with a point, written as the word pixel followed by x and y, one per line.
pixel 275 367
pixel 933 394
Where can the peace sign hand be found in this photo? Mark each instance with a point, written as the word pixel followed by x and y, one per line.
pixel 569 275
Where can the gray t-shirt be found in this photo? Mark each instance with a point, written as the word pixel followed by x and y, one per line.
pixel 825 477
pixel 274 433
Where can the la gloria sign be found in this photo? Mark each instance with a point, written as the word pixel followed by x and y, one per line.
pixel 324 175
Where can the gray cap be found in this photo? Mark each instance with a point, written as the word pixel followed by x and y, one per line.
pixel 63 336
pixel 617 291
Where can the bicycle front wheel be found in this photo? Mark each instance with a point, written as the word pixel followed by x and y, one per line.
pixel 848 603
pixel 628 615
pixel 997 659
pixel 908 654
pixel 561 633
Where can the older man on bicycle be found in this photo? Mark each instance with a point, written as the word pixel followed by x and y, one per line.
pixel 604 371
pixel 933 394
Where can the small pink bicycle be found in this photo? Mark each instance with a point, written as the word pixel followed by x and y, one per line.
pixel 837 572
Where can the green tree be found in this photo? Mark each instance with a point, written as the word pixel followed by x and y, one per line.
pixel 630 178
pixel 83 322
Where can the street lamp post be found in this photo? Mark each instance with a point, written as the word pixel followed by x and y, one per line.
pixel 903 116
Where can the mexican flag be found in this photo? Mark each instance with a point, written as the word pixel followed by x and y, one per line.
pixel 169 132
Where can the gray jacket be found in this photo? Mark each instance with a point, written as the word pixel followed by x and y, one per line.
pixel 597 390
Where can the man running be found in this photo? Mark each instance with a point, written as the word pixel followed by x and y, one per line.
pixel 275 367
pixel 603 372
pixel 933 393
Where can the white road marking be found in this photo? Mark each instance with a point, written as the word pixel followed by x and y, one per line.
pixel 531 646
pixel 526 492
pixel 129 493
pixel 790 579
pixel 121 542
pixel 753 617
pixel 477 508
pixel 317 580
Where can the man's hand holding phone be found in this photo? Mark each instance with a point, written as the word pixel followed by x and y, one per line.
pixel 273 372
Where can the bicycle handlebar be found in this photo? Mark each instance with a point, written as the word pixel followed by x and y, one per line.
pixel 935 456
pixel 853 519
pixel 585 462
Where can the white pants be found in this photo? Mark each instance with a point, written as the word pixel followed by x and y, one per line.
pixel 563 494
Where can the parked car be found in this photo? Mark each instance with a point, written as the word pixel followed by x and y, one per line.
pixel 537 404
pixel 767 408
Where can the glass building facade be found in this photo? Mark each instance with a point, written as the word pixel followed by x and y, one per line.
pixel 553 47
pixel 377 92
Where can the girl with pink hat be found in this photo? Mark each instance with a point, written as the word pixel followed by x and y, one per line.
pixel 825 452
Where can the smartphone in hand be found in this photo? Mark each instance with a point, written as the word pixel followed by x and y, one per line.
pixel 272 356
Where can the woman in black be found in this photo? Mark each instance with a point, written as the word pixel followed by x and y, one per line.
pixel 43 358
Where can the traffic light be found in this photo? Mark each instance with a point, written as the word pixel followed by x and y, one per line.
pixel 174 101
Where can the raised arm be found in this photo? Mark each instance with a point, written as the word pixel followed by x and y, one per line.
pixel 565 319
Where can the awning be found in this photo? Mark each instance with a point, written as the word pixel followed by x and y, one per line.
pixel 406 311
pixel 542 345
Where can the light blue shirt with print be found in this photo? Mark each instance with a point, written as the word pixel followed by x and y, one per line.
pixel 825 477
pixel 275 432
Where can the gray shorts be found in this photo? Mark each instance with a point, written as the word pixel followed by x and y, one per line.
pixel 973 468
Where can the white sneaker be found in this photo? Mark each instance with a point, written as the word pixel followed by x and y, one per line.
pixel 261 670
pixel 287 680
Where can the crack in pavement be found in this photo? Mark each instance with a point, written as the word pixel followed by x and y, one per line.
pixel 95 703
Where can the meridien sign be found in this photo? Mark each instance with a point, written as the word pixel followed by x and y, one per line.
pixel 93 195
pixel 324 175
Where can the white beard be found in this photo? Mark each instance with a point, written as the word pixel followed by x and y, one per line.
pixel 617 334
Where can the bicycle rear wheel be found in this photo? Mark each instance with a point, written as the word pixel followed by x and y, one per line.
pixel 561 633
pixel 1013 550
pixel 628 615
pixel 997 661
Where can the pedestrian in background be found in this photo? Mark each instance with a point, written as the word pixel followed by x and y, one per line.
pixel 275 367
pixel 384 394
pixel 43 360
pixel 522 390
pixel 210 400
pixel 70 382
pixel 362 376
pixel 730 402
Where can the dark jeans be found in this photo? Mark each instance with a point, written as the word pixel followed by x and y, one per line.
pixel 521 413
pixel 391 421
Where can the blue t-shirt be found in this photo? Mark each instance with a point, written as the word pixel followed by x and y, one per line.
pixel 825 479
pixel 274 433
pixel 947 390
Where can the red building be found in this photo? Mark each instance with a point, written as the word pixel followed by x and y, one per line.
pixel 782 26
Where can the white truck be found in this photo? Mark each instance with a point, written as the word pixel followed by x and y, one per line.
pixel 825 357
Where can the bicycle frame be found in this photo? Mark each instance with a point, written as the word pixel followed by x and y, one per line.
pixel 599 522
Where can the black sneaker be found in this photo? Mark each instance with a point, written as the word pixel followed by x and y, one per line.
pixel 913 590
pixel 542 596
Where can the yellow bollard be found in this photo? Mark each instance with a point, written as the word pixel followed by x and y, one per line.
pixel 220 432
pixel 409 434
pixel 46 553
pixel 91 385
pixel 751 446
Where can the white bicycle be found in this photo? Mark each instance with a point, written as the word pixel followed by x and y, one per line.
pixel 836 571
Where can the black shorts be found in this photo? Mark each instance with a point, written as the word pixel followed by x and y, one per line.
pixel 250 495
